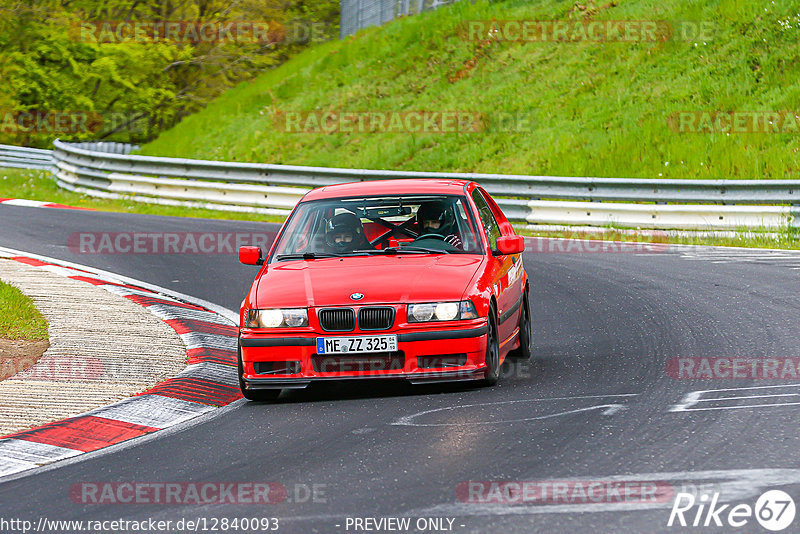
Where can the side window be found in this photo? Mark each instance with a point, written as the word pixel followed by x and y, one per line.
pixel 466 228
pixel 488 221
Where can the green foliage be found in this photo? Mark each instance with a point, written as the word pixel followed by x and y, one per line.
pixel 597 109
pixel 19 319
pixel 128 90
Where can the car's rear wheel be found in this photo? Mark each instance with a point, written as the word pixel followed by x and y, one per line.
pixel 251 394
pixel 525 349
pixel 492 373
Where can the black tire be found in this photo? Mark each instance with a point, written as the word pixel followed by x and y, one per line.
pixel 525 349
pixel 492 373
pixel 253 394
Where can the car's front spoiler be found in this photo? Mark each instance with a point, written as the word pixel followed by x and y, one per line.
pixel 402 337
pixel 414 378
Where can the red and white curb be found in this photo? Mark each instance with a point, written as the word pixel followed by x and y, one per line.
pixel 208 382
pixel 38 204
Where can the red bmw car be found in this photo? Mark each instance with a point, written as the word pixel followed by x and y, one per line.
pixel 414 279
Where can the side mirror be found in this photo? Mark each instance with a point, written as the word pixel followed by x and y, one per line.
pixel 250 255
pixel 511 244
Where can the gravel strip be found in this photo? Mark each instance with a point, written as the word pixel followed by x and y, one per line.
pixel 103 348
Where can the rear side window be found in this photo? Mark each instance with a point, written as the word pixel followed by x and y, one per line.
pixel 488 221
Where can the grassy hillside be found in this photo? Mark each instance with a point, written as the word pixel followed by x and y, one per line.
pixel 597 109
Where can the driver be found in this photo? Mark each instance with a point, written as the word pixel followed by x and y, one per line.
pixel 437 218
pixel 345 233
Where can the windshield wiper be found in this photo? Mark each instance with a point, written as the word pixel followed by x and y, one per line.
pixel 426 249
pixel 305 256
pixel 411 250
pixel 320 255
pixel 388 251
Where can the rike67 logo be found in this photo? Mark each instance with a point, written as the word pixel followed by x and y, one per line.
pixel 774 510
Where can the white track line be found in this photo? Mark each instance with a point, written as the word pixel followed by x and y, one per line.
pixel 154 411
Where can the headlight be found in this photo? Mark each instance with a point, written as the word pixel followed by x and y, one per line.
pixel 441 311
pixel 446 311
pixel 277 318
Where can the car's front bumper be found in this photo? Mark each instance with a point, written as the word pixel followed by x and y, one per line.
pixel 460 350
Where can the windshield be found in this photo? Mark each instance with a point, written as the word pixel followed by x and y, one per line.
pixel 377 225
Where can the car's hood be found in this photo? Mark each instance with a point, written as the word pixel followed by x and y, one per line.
pixel 381 279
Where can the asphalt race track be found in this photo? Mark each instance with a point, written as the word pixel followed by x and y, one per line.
pixel 597 404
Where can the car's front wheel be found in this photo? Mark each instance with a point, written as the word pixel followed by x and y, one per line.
pixel 251 394
pixel 492 373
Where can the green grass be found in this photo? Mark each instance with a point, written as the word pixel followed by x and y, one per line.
pixel 40 185
pixel 598 109
pixel 19 318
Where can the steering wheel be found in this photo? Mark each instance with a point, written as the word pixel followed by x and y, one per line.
pixel 430 236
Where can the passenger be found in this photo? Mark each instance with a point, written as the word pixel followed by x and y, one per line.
pixel 345 233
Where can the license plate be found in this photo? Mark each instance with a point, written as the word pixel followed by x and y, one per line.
pixel 356 345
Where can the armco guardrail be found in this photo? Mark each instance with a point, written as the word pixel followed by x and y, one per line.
pixel 20 157
pixel 170 181
pixel 532 187
pixel 662 216
pixel 106 170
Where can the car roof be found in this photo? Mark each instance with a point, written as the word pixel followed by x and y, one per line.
pixel 407 186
